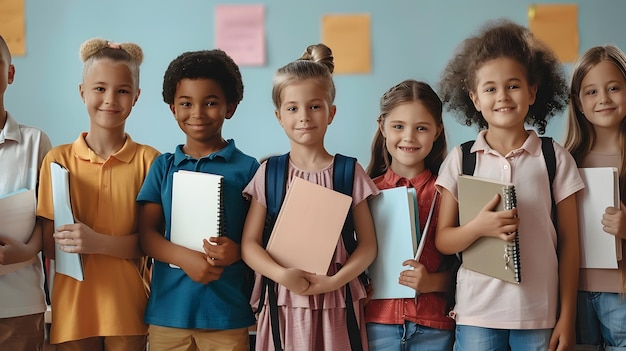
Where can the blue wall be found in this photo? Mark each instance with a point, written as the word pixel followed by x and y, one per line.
pixel 410 39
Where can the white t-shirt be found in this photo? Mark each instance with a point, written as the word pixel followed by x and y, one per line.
pixel 488 302
pixel 21 151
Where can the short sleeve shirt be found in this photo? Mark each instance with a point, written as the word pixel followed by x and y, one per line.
pixel 22 149
pixel 492 303
pixel 176 301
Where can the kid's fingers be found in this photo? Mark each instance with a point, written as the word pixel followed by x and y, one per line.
pixel 491 205
pixel 412 263
pixel 510 236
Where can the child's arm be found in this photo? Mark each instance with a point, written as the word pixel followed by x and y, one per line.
pixel 79 238
pixel 452 238
pixel 420 280
pixel 15 251
pixel 196 265
pixel 614 221
pixel 359 260
pixel 259 260
pixel 48 241
pixel 563 336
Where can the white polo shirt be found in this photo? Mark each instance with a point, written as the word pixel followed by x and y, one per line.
pixel 488 302
pixel 22 149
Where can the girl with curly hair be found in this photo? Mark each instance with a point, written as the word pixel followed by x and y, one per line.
pixel 501 80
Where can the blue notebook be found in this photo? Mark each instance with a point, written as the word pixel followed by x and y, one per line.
pixel 396 221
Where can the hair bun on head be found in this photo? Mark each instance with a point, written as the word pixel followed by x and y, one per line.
pixel 93 46
pixel 321 54
pixel 90 47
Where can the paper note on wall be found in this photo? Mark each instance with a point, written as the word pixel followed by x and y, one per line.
pixel 557 26
pixel 240 32
pixel 348 36
pixel 12 26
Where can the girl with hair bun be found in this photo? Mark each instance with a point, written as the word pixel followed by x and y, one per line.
pixel 312 310
pixel 106 170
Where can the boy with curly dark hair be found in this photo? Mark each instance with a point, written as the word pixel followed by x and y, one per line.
pixel 204 304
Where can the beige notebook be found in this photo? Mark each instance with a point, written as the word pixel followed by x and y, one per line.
pixel 488 255
pixel 308 226
pixel 599 249
pixel 196 208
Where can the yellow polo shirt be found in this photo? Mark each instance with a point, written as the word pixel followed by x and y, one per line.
pixel 112 298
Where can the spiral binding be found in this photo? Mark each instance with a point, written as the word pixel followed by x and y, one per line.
pixel 221 229
pixel 511 250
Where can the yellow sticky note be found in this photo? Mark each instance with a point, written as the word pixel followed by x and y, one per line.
pixel 348 36
pixel 557 26
pixel 12 26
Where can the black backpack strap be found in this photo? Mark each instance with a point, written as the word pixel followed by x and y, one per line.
pixel 275 188
pixel 468 163
pixel 547 148
pixel 343 181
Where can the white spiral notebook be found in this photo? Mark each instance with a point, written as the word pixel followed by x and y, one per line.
pixel 197 212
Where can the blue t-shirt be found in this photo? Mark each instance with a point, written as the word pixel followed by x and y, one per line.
pixel 175 300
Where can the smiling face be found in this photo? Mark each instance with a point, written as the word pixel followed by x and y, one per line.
pixel 200 109
pixel 603 96
pixel 305 112
pixel 502 93
pixel 410 131
pixel 107 91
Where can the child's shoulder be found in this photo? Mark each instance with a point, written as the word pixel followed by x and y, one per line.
pixel 148 151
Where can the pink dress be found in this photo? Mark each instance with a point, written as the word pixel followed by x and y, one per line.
pixel 315 322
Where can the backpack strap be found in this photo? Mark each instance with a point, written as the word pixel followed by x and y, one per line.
pixel 547 148
pixel 343 181
pixel 469 158
pixel 275 188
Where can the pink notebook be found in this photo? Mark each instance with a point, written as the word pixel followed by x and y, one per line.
pixel 308 226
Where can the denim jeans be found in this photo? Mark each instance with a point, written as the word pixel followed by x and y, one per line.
pixel 469 338
pixel 408 337
pixel 601 320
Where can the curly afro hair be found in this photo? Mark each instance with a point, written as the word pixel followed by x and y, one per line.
pixel 205 64
pixel 504 39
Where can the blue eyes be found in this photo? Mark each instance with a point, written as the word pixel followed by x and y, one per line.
pixel 120 91
pixel 312 107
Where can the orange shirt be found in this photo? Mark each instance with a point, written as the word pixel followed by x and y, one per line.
pixel 112 298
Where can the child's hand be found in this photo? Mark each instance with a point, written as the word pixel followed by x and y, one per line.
pixel 417 278
pixel 222 251
pixel 77 237
pixel 197 266
pixel 614 221
pixel 499 224
pixel 562 338
pixel 13 251
pixel 295 280
pixel 320 284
